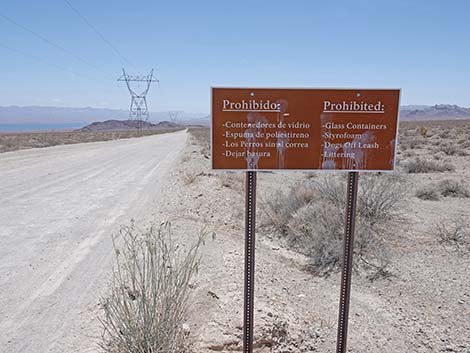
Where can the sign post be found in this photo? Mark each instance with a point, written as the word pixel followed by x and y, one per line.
pixel 250 244
pixel 256 129
pixel 348 250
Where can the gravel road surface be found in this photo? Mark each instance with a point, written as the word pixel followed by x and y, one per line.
pixel 59 207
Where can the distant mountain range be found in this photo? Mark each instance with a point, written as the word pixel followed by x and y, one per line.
pixel 79 117
pixel 434 112
pixel 83 116
pixel 123 125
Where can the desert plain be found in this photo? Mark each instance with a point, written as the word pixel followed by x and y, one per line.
pixel 60 206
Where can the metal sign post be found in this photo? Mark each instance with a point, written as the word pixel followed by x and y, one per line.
pixel 346 275
pixel 261 129
pixel 250 220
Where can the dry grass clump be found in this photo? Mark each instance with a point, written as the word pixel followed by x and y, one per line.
pixel 316 230
pixel 438 156
pixel 453 188
pixel 414 143
pixel 445 188
pixel 146 307
pixel 445 134
pixel 419 165
pixel 409 154
pixel 424 132
pixel 436 140
pixel 453 150
pixel 189 176
pixel 314 224
pixel 232 180
pixel 466 143
pixel 281 205
pixel 429 193
pixel 454 231
pixel 201 137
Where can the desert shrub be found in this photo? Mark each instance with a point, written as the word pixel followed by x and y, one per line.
pixel 310 175
pixel 453 150
pixel 410 132
pixel 415 143
pixel 453 188
pixel 201 137
pixel 316 228
pixel 145 309
pixel 444 134
pixel 281 205
pixel 231 180
pixel 409 154
pixel 189 176
pixel 454 231
pixel 428 192
pixel 423 131
pixel 436 140
pixel 419 165
pixel 438 156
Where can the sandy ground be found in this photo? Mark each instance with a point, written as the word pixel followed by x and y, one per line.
pixel 59 207
pixel 424 306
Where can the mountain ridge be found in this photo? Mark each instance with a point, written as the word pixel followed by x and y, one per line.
pixel 87 115
pixel 123 125
pixel 83 115
pixel 434 112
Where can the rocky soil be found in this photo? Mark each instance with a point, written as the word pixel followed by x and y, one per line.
pixel 422 305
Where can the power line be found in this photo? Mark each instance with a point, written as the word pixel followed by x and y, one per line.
pixel 37 58
pixel 46 40
pixel 115 50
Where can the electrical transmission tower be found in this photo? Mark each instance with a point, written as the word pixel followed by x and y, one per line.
pixel 138 109
pixel 173 116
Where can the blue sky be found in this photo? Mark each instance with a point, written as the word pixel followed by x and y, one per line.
pixel 422 47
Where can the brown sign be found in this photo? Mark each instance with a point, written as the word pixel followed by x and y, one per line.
pixel 304 129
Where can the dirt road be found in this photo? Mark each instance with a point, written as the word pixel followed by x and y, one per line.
pixel 58 209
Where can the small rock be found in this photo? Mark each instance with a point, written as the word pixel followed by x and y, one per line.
pixel 212 294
